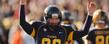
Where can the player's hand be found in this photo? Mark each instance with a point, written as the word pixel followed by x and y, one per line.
pixel 91 7
pixel 23 2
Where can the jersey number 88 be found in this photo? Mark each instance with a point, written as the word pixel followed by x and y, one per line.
pixel 48 41
pixel 102 40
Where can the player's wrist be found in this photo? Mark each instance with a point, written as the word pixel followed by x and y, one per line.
pixel 90 14
pixel 22 2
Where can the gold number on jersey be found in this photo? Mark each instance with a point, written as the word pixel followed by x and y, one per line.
pixel 101 40
pixel 56 41
pixel 70 38
pixel 107 39
pixel 48 41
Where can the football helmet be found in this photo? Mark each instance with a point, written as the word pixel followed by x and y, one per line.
pixel 52 10
pixel 99 16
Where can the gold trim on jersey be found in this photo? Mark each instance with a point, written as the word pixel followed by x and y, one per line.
pixel 70 38
pixel 33 33
pixel 101 32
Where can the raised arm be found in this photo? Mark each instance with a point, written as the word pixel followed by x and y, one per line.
pixel 25 25
pixel 79 34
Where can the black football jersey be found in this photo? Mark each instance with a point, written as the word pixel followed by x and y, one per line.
pixel 99 36
pixel 46 34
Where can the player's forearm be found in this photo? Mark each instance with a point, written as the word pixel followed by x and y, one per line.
pixel 22 15
pixel 26 26
pixel 87 24
pixel 22 12
pixel 80 34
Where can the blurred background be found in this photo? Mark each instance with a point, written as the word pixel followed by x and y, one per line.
pixel 10 31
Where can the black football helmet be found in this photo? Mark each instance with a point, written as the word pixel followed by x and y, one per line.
pixel 66 15
pixel 51 11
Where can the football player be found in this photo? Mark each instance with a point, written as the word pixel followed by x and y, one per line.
pixel 99 35
pixel 52 32
pixel 70 26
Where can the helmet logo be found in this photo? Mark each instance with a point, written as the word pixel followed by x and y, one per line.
pixel 54 15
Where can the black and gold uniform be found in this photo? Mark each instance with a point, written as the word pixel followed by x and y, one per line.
pixel 48 34
pixel 100 35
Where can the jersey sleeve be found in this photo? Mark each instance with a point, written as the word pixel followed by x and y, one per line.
pixel 35 27
pixel 85 29
pixel 30 29
pixel 25 25
pixel 90 36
